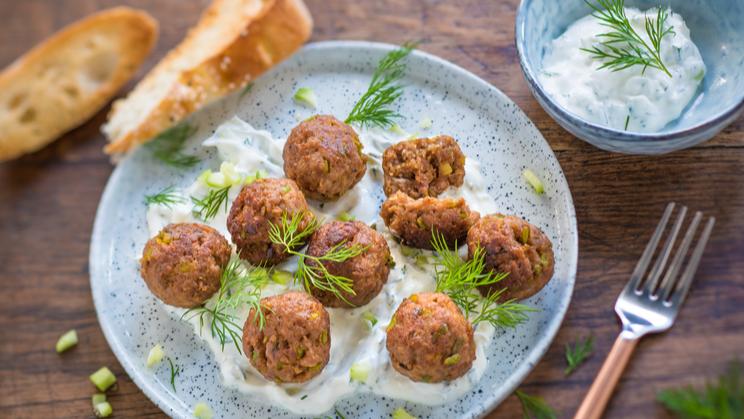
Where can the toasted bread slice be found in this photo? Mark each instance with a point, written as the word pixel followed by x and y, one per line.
pixel 65 80
pixel 234 41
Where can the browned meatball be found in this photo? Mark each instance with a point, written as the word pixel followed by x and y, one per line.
pixel 413 220
pixel 182 265
pixel 423 166
pixel 260 203
pixel 368 271
pixel 429 339
pixel 295 343
pixel 513 245
pixel 324 156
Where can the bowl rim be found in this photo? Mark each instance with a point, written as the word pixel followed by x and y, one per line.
pixel 723 117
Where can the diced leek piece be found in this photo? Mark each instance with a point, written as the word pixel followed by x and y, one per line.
pixel 408 251
pixel 229 173
pixel 306 96
pixel 216 180
pixel 203 176
pixel 202 411
pixel 359 371
pixel 67 341
pixel 103 378
pixel 452 360
pixel 421 261
pixel 368 316
pixel 426 123
pixel 103 410
pixel 156 355
pixel 400 413
pixel 396 129
pixel 281 277
pixel 98 398
pixel 345 216
pixel 534 181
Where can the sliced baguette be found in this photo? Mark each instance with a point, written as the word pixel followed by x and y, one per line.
pixel 66 79
pixel 234 42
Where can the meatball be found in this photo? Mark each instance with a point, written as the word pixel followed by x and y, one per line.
pixel 423 166
pixel 182 265
pixel 260 203
pixel 294 344
pixel 430 340
pixel 324 156
pixel 513 245
pixel 368 271
pixel 412 220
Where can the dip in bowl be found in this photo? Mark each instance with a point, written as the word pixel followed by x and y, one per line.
pixel 714 27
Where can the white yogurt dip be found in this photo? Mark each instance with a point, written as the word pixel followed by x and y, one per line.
pixel 353 340
pixel 644 101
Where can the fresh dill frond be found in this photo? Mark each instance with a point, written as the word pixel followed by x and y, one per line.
pixel 723 399
pixel 373 108
pixel 247 89
pixel 168 146
pixel 534 407
pixel 622 46
pixel 460 280
pixel 577 354
pixel 174 371
pixel 166 197
pixel 207 208
pixel 238 288
pixel 311 270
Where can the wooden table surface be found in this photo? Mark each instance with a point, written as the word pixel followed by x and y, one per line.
pixel 48 201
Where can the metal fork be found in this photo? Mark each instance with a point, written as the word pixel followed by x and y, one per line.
pixel 647 305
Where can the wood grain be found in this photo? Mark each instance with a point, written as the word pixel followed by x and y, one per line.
pixel 48 201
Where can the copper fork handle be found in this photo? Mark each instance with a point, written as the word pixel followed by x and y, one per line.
pixel 599 394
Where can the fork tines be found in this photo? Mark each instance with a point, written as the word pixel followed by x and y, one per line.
pixel 664 279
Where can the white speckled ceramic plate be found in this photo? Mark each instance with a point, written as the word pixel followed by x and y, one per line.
pixel 488 126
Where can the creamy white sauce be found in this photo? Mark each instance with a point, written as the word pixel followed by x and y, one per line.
pixel 646 100
pixel 352 339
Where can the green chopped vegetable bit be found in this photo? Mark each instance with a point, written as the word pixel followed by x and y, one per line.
pixel 156 355
pixel 345 216
pixel 699 76
pixel 421 261
pixel 103 410
pixel 98 398
pixel 359 372
pixel 103 378
pixel 368 316
pixel 452 360
pixel 396 129
pixel 722 399
pixel 534 407
pixel 408 251
pixel 306 96
pixel 202 411
pixel 281 277
pixel 426 123
pixel 400 413
pixel 534 181
pixel 577 354
pixel 67 341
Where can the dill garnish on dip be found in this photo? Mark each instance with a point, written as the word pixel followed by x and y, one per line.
pixel 623 68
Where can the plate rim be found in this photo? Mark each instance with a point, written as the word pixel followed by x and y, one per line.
pixel 97 268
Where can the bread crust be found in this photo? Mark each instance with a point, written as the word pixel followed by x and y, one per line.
pixel 66 79
pixel 276 30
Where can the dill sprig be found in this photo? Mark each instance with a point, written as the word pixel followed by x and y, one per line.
pixel 534 407
pixel 577 354
pixel 207 208
pixel 175 370
pixel 460 279
pixel 622 46
pixel 373 108
pixel 166 197
pixel 311 270
pixel 168 146
pixel 723 399
pixel 238 288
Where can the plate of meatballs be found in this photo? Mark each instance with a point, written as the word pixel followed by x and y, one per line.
pixel 379 250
